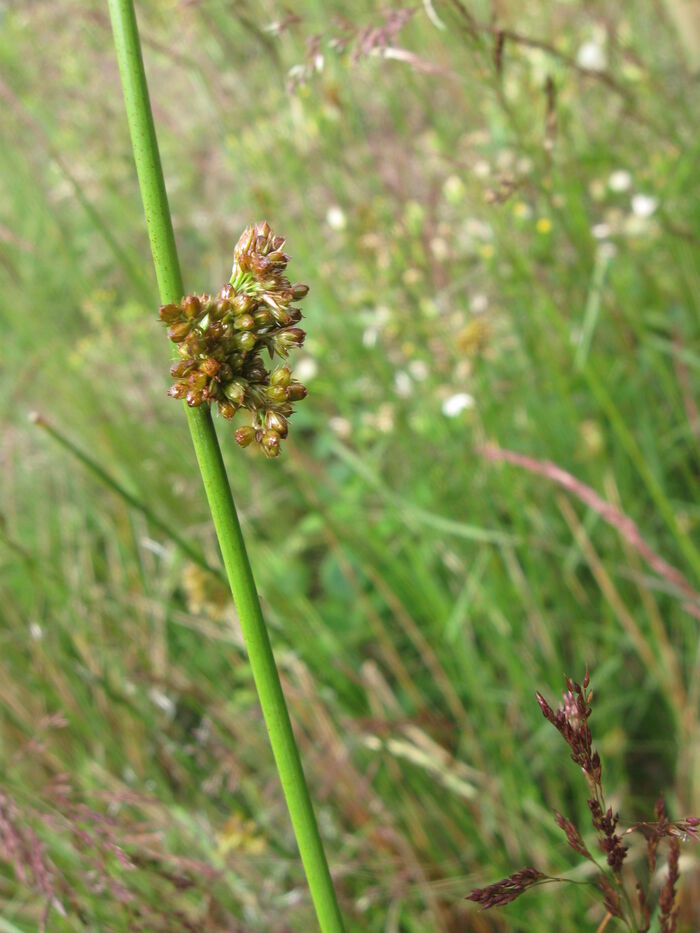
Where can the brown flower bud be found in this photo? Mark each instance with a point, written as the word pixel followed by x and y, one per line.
pixel 191 307
pixel 299 291
pixel 170 313
pixel 270 443
pixel 194 397
pixel 226 292
pixel 197 379
pixel 210 366
pixel 182 367
pixel 244 322
pixel 227 409
pixel 278 258
pixel 178 332
pixel 276 422
pixel 296 392
pixel 245 435
pixel 179 390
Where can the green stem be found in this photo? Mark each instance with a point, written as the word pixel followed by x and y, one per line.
pixel 211 465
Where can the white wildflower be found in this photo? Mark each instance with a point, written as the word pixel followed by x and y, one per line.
pixel 305 369
pixel 620 180
pixel 644 205
pixel 591 56
pixel 335 218
pixel 456 404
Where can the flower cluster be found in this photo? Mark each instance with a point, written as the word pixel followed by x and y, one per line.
pixel 220 340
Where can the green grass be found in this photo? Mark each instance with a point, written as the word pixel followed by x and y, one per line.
pixel 417 594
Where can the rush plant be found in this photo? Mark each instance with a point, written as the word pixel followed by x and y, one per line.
pixel 222 341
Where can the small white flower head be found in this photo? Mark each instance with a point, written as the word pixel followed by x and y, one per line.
pixel 620 180
pixel 306 369
pixel 600 231
pixel 456 404
pixel 335 218
pixel 162 701
pixel 403 384
pixel 419 370
pixel 644 205
pixel 341 427
pixel 591 56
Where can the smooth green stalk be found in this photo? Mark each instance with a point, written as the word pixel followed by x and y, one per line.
pixel 211 465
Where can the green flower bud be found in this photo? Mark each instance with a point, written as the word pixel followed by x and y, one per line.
pixel 235 392
pixel 244 322
pixel 276 393
pixel 263 317
pixel 242 304
pixel 245 341
pixel 218 310
pixel 281 377
pixel 245 435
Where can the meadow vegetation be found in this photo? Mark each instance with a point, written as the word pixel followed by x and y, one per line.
pixel 494 479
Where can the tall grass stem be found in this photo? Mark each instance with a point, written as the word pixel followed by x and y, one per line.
pixel 213 471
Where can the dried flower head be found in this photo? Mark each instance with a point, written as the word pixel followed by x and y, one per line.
pixel 220 340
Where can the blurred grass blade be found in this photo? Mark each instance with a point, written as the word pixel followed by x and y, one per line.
pixel 111 483
pixel 413 513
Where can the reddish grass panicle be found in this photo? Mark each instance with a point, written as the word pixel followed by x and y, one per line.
pixel 634 910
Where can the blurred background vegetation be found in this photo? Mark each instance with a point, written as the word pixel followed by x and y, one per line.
pixel 496 206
